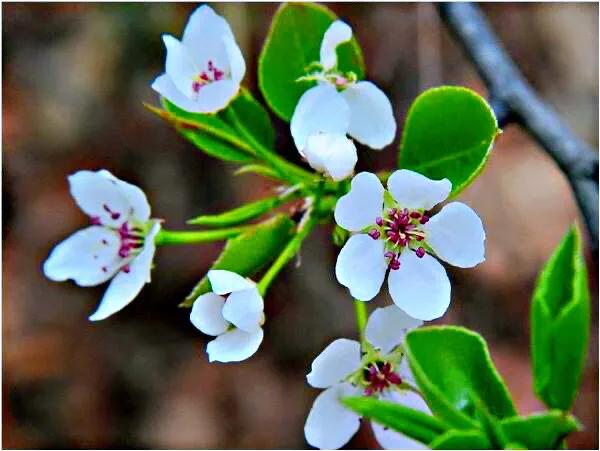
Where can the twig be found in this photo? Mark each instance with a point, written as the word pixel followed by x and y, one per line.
pixel 514 100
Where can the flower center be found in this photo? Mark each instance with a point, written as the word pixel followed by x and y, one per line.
pixel 205 77
pixel 378 376
pixel 400 228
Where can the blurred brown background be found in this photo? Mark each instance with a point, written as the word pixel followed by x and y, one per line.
pixel 74 79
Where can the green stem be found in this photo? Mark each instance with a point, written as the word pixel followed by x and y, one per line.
pixel 285 168
pixel 360 308
pixel 287 254
pixel 170 237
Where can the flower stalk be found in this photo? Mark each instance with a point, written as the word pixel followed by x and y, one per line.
pixel 288 252
pixel 174 237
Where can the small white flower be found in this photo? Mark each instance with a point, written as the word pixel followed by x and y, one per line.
pixel 119 244
pixel 340 106
pixel 342 371
pixel 204 70
pixel 400 236
pixel 233 312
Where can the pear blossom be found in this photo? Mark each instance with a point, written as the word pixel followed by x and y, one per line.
pixel 118 245
pixel 338 106
pixel 233 312
pixel 204 70
pixel 394 231
pixel 343 370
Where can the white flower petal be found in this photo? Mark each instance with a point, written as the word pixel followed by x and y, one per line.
pixel 179 65
pixel 207 316
pixel 405 372
pixel 139 208
pixel 413 190
pixel 390 439
pixel 225 282
pixel 215 96
pixel 89 257
pixel 203 37
pixel 234 346
pixel 456 235
pixel 337 33
pixel 387 327
pixel 126 285
pixel 321 109
pixel 165 87
pixel 361 266
pixel 237 65
pixel 330 425
pixel 339 359
pixel 244 309
pixel 372 120
pixel 99 197
pixel 420 287
pixel 362 205
pixel 333 154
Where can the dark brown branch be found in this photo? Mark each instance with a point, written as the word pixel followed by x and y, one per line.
pixel 514 100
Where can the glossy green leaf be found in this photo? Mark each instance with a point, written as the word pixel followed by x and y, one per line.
pixel 540 431
pixel 412 423
pixel 240 214
pixel 490 425
pixel 207 132
pixel 293 43
pixel 249 252
pixel 258 169
pixel 560 323
pixel 461 439
pixel 448 133
pixel 450 365
pixel 253 121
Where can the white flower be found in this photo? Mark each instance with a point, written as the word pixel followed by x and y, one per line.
pixel 119 244
pixel 342 371
pixel 340 106
pixel 401 236
pixel 204 70
pixel 233 312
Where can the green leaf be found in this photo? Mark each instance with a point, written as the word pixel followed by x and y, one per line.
pixel 208 133
pixel 450 365
pixel 412 423
pixel 258 169
pixel 293 43
pixel 560 324
pixel 490 425
pixel 249 252
pixel 240 214
pixel 448 133
pixel 253 121
pixel 540 431
pixel 461 439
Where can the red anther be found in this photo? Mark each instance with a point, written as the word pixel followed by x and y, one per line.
pixel 126 269
pixel 374 233
pixel 403 241
pixel 113 214
pixel 393 211
pixel 415 215
pixel 395 226
pixel 403 219
pixel 210 65
pixel 420 252
pixel 95 220
pixel 389 254
pixel 395 264
pixel 204 77
pixel 419 237
pixel 394 378
pixel 405 211
pixel 379 221
pixel 218 74
pixel 424 219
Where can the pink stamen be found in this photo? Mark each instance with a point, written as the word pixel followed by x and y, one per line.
pixel 374 233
